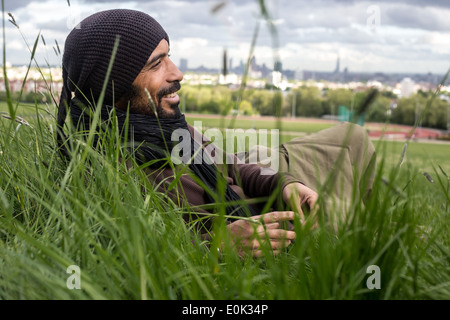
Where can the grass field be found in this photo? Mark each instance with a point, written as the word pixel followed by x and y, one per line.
pixel 260 123
pixel 130 242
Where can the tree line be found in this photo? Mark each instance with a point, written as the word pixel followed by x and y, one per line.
pixel 310 101
pixel 305 101
pixel 27 97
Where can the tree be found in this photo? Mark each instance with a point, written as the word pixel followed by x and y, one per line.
pixel 378 110
pixel 308 101
pixel 405 113
pixel 245 108
pixel 277 103
pixel 262 101
pixel 336 98
pixel 435 115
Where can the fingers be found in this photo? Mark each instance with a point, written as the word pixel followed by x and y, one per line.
pixel 297 195
pixel 271 235
pixel 280 234
pixel 260 253
pixel 253 238
pixel 273 225
pixel 256 249
pixel 276 239
pixel 268 226
pixel 276 216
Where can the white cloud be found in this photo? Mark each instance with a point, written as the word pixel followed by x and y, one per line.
pixel 15 45
pixel 411 36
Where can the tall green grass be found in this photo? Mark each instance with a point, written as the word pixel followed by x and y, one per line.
pixel 131 242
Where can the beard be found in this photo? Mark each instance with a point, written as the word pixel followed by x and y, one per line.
pixel 140 104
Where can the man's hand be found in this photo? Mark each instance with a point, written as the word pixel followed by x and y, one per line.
pixel 296 195
pixel 251 236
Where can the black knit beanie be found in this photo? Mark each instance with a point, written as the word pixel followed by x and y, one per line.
pixel 88 49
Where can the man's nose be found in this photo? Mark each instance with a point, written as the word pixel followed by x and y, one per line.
pixel 175 73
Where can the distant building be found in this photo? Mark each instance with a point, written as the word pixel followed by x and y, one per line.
pixel 183 65
pixel 337 70
pixel 345 75
pixel 407 87
pixel 298 75
pixel 229 79
pixel 254 70
pixel 276 78
pixel 278 66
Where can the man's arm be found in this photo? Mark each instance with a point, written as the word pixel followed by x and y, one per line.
pixel 296 195
pixel 256 184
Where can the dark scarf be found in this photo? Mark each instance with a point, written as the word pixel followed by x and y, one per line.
pixel 153 139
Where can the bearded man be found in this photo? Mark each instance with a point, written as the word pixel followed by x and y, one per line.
pixel 141 93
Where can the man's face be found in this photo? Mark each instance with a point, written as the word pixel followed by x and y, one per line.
pixel 162 79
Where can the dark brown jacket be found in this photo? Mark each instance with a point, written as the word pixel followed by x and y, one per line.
pixel 245 179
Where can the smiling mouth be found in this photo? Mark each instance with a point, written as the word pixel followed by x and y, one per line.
pixel 172 99
pixel 170 95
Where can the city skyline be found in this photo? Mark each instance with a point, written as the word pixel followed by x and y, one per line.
pixel 367 36
pixel 340 74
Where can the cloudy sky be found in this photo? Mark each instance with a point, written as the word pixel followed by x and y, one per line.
pixel 371 36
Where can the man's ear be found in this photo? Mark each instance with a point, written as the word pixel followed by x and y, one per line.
pixel 125 101
pixel 122 104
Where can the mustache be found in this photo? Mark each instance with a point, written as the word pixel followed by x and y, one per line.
pixel 168 90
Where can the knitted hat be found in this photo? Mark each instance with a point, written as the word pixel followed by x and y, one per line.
pixel 87 54
pixel 89 46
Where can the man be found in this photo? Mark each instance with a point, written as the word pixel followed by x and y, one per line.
pixel 142 90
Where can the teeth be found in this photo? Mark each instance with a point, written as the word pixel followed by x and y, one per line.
pixel 171 95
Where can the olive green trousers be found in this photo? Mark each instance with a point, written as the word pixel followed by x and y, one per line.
pixel 338 163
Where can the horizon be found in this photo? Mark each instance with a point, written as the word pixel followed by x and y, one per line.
pixel 218 70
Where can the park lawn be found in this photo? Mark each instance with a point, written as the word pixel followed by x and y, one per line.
pixel 425 156
pixel 268 123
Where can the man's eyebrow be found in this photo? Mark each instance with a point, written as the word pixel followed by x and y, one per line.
pixel 154 59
